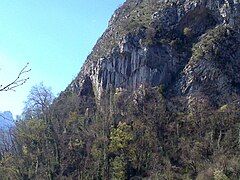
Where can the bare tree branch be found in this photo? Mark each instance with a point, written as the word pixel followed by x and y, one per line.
pixel 20 80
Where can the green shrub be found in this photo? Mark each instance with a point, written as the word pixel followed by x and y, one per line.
pixel 187 32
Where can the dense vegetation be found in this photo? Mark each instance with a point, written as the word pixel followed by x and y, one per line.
pixel 131 136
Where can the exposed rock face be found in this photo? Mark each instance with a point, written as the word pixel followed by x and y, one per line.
pixel 189 46
pixel 216 71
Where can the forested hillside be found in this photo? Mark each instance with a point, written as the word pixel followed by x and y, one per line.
pixel 157 98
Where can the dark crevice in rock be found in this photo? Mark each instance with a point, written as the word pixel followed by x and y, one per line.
pixel 87 88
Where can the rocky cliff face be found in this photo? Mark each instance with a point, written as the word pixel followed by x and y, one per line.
pixel 188 46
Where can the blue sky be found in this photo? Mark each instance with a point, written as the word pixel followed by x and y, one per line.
pixel 54 36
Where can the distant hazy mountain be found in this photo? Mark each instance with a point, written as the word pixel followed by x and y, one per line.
pixel 6 120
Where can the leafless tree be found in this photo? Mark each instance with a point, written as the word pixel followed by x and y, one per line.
pixel 20 80
pixel 38 102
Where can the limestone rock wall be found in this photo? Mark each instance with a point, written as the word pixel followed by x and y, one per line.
pixel 130 61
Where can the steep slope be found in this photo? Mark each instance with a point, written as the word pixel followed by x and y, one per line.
pixel 157 98
pixel 169 70
pixel 183 45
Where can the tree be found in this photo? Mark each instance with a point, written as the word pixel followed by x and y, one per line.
pixel 38 102
pixel 187 32
pixel 37 107
pixel 120 138
pixel 20 80
pixel 6 135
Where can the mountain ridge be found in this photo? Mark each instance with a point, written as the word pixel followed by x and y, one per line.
pixel 126 64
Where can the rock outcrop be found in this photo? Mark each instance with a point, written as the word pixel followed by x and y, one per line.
pixel 188 46
pixel 6 120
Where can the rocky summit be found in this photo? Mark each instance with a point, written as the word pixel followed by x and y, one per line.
pixel 188 46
